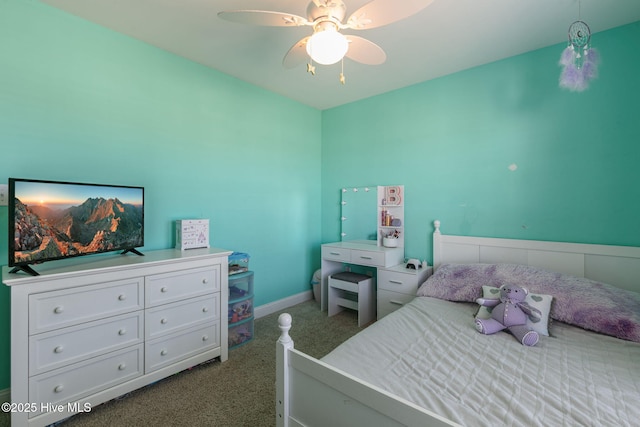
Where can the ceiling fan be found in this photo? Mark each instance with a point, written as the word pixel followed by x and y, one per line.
pixel 327 45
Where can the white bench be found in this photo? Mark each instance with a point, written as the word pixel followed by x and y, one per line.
pixel 354 291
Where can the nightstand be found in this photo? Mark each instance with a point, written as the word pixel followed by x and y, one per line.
pixel 397 286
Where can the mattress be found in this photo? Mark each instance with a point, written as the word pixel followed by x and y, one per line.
pixel 429 353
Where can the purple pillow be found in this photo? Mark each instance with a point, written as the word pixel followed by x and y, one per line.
pixel 582 302
pixel 459 282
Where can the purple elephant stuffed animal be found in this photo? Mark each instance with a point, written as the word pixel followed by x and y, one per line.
pixel 510 312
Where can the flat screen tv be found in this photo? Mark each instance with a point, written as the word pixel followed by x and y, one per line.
pixel 52 220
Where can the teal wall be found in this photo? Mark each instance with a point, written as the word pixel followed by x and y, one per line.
pixel 451 141
pixel 82 103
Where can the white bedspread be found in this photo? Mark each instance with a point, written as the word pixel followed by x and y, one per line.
pixel 430 353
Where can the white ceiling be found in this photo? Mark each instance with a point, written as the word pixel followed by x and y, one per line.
pixel 447 36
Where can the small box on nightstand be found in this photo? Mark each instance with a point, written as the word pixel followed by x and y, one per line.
pixel 192 233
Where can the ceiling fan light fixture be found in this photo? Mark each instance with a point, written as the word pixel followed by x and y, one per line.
pixel 327 47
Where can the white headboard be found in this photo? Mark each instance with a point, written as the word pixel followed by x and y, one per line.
pixel 616 265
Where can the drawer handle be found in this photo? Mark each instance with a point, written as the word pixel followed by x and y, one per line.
pixel 122 367
pixel 163 353
pixel 58 349
pixel 122 297
pixel 205 309
pixel 396 302
pixel 163 321
pixel 122 331
pixel 397 282
pixel 334 253
pixel 59 309
pixel 205 337
pixel 205 281
pixel 58 388
pixel 163 289
pixel 365 257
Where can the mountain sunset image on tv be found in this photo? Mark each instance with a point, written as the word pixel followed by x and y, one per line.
pixel 51 220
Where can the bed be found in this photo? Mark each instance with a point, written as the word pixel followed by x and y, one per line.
pixel 427 365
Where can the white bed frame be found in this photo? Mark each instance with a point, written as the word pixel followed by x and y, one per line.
pixel 310 392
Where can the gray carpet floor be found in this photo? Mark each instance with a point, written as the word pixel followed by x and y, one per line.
pixel 238 392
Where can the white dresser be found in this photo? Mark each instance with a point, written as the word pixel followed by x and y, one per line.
pixel 84 332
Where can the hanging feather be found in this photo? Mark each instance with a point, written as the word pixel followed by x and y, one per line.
pixel 572 79
pixel 590 64
pixel 576 75
pixel 567 56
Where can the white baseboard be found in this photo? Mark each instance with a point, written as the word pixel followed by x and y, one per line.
pixel 275 306
pixel 5 395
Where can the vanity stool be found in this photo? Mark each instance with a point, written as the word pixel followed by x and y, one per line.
pixel 354 291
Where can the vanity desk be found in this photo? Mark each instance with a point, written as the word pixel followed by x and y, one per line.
pixel 372 234
pixel 357 252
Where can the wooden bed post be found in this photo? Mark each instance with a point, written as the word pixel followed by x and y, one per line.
pixel 437 245
pixel 283 345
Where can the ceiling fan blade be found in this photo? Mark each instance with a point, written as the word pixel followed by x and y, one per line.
pixel 297 54
pixel 264 17
pixel 364 51
pixel 382 12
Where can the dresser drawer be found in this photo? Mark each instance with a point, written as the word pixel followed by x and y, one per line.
pixel 82 379
pixel 180 315
pixel 405 283
pixel 175 286
pixel 56 309
pixel 62 347
pixel 367 258
pixel 175 347
pixel 336 254
pixel 391 301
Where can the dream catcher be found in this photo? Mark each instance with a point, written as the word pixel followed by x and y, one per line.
pixel 579 60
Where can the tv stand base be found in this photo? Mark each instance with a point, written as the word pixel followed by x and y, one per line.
pixel 132 250
pixel 24 268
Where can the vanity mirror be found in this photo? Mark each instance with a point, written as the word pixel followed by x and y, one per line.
pixel 358 213
pixel 373 213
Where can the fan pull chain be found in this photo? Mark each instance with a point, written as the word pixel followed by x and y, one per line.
pixel 311 69
pixel 342 79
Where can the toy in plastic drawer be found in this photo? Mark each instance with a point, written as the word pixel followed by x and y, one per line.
pixel 240 310
pixel 238 263
pixel 241 333
pixel 240 297
pixel 192 233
